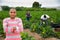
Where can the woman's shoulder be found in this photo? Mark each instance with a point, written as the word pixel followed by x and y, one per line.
pixel 18 18
pixel 6 19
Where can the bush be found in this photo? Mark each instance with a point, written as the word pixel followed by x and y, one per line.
pixel 33 9
pixel 40 9
pixel 19 8
pixel 5 8
pixel 48 9
pixel 36 5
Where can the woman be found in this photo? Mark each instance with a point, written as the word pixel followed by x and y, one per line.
pixel 13 26
pixel 28 15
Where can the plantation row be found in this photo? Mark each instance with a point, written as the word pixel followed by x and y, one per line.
pixel 33 24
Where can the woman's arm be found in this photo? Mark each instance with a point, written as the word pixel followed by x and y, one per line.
pixel 5 26
pixel 20 26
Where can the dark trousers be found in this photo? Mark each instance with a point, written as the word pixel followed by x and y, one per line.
pixel 45 21
pixel 28 18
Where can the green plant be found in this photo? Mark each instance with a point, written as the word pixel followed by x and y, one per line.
pixel 57 34
pixel 25 36
pixel 47 32
pixel 33 27
pixel 27 24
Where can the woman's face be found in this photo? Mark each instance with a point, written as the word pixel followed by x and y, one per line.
pixel 12 13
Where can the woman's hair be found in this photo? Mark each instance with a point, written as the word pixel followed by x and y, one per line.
pixel 12 9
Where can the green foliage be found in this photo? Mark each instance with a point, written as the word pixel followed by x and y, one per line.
pixel 36 5
pixel 48 9
pixel 57 34
pixel 46 31
pixel 19 8
pixel 27 24
pixel 1 29
pixel 33 27
pixel 5 8
pixel 25 36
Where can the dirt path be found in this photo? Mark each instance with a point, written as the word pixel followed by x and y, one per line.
pixel 1 38
pixel 35 35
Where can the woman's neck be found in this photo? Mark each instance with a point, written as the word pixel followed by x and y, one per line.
pixel 13 18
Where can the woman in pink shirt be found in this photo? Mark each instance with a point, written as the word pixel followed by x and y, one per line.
pixel 13 26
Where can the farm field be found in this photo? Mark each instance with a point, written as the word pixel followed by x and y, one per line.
pixel 42 31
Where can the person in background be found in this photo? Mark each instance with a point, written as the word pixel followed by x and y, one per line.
pixel 55 26
pixel 28 15
pixel 13 26
pixel 44 19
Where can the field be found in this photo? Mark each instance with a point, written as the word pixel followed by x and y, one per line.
pixel 54 15
pixel 35 14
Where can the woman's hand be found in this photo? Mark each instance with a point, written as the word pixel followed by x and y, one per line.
pixel 14 28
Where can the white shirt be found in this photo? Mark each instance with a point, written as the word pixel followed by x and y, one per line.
pixel 42 17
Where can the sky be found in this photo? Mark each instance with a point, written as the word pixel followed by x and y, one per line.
pixel 28 3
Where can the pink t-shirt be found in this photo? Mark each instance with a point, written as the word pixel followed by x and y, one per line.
pixel 8 25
